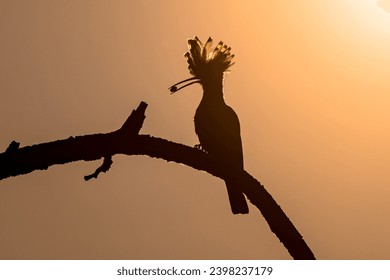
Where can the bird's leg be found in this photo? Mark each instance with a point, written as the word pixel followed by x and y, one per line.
pixel 199 147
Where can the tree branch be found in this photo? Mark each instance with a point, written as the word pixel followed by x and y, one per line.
pixel 16 161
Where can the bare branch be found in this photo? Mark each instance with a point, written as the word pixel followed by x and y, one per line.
pixel 106 165
pixel 16 161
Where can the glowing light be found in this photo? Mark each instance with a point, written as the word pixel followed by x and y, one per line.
pixel 384 4
pixel 365 20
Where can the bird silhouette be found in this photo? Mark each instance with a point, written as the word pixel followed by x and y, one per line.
pixel 216 124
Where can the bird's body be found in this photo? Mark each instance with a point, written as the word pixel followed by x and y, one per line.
pixel 216 124
pixel 218 127
pixel 218 130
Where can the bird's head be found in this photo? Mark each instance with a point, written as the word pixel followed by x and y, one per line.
pixel 206 64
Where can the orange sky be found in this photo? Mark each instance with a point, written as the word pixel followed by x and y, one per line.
pixel 310 86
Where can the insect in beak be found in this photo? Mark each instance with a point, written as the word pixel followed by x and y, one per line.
pixel 174 88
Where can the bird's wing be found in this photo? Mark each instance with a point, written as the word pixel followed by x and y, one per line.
pixel 231 135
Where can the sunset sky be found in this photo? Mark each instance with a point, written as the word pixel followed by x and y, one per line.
pixel 310 85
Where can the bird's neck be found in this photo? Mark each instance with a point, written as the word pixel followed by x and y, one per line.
pixel 213 92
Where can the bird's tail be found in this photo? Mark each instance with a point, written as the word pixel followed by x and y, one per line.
pixel 237 199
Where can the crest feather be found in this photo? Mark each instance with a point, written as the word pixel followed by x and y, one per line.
pixel 203 60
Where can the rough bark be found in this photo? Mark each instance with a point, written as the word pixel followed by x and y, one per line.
pixel 126 140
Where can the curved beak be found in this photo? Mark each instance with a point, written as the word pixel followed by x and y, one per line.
pixel 174 88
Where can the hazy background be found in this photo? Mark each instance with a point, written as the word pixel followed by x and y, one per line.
pixel 311 87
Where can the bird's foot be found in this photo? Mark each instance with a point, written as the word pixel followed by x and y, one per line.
pixel 199 147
